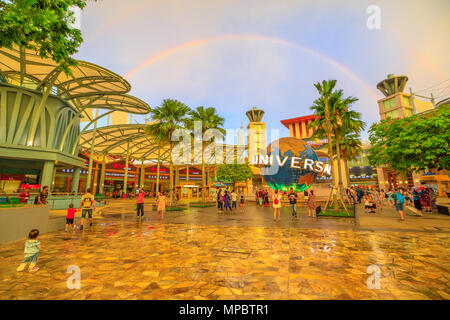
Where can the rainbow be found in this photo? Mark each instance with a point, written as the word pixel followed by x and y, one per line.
pixel 226 37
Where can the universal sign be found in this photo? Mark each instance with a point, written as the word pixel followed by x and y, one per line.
pixel 294 162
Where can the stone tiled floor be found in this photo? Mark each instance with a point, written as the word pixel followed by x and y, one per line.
pixel 230 257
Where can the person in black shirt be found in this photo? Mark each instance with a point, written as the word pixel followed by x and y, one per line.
pixel 293 202
pixel 42 198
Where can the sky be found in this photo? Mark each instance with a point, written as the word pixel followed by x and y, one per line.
pixel 237 54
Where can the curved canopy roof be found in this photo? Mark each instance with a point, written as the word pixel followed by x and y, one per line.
pixel 86 78
pixel 122 102
pixel 89 85
pixel 26 64
pixel 116 138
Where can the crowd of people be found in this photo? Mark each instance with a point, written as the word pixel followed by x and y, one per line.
pixel 228 200
pixel 262 198
pixel 418 199
pixel 374 199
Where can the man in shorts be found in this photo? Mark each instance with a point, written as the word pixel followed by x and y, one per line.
pixel 87 205
pixel 399 201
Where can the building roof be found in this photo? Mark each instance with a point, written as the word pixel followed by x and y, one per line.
pixel 297 120
pixel 115 139
pixel 88 85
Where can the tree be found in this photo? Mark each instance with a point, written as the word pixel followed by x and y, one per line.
pixel 351 147
pixel 209 120
pixel 171 115
pixel 232 173
pixel 160 139
pixel 43 26
pixel 326 90
pixel 345 123
pixel 416 143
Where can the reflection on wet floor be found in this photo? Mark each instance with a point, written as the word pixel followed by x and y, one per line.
pixel 203 255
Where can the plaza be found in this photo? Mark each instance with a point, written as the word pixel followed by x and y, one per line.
pixel 200 254
pixel 250 162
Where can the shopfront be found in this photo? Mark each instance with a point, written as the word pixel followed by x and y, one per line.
pixel 20 174
pixel 189 183
pixel 438 181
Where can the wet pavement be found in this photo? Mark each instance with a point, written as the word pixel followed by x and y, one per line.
pixel 200 254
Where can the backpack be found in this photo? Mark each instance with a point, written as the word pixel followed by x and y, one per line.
pixel 276 200
pixel 400 198
pixel 87 202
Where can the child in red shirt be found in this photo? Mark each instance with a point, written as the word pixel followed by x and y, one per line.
pixel 70 216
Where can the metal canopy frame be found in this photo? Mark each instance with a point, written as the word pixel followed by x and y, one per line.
pixel 89 86
pixel 117 139
pixel 124 139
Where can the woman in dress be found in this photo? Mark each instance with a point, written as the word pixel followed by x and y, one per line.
pixel 161 205
pixel 276 205
pixel 311 204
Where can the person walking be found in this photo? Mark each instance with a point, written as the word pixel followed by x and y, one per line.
pixel 219 201
pixel 233 200
pixel 140 203
pixel 293 202
pixel 311 204
pixel 266 198
pixel 359 194
pixel 433 200
pixel 426 199
pixel 242 201
pixel 416 199
pixel 32 247
pixel 399 201
pixel 70 217
pixel 276 205
pixel 161 205
pixel 226 201
pixel 87 204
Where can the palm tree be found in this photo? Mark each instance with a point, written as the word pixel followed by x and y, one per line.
pixel 210 120
pixel 160 139
pixel 323 103
pixel 351 147
pixel 171 115
pixel 344 122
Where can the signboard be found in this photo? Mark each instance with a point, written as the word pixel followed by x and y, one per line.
pixel 30 186
pixel 290 163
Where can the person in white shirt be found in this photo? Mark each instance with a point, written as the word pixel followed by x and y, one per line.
pixel 233 200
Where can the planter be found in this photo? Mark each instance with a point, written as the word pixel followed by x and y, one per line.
pixel 202 205
pixel 175 208
pixel 338 213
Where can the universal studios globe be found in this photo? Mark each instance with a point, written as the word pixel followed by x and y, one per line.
pixel 287 177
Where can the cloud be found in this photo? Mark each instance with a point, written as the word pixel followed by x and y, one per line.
pixel 233 75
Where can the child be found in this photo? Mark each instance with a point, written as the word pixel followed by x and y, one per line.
pixel 366 205
pixel 32 246
pixel 242 202
pixel 70 217
pixel 161 205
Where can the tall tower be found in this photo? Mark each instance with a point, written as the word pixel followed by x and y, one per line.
pixel 256 133
pixel 398 104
